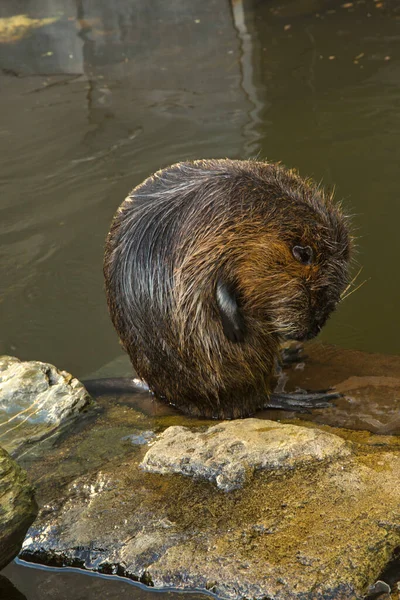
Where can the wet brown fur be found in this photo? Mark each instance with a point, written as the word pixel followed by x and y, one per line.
pixel 194 224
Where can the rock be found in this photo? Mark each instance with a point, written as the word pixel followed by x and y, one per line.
pixel 35 399
pixel 379 589
pixel 230 452
pixel 321 525
pixel 18 508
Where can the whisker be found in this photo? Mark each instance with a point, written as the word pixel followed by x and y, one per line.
pixel 352 281
pixel 355 289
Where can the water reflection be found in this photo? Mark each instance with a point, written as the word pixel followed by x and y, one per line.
pixel 100 96
pixel 103 95
pixel 327 75
pixel 95 102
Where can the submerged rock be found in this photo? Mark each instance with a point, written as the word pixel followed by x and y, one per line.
pixel 35 398
pixel 18 508
pixel 230 452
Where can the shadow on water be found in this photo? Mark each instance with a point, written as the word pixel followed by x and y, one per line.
pixel 95 96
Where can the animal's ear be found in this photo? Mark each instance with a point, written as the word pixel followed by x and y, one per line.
pixel 229 310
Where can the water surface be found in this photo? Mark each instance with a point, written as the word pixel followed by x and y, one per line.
pixel 100 98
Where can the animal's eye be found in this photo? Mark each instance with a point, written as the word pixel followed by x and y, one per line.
pixel 303 254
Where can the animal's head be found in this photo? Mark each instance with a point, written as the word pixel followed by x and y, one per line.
pixel 292 261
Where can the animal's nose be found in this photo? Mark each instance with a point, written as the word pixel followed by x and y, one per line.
pixel 320 321
pixel 321 316
pixel 314 330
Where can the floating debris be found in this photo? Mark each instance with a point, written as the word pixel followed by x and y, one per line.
pixel 139 439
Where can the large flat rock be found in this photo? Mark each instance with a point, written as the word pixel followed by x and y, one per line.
pixel 324 528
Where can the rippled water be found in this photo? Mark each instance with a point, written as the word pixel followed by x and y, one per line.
pixel 103 94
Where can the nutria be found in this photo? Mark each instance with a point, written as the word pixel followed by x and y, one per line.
pixel 209 265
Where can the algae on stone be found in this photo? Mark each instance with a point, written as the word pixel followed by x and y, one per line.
pixel 324 529
pixel 18 508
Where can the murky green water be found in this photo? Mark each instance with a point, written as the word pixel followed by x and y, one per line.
pixel 107 92
pixel 72 584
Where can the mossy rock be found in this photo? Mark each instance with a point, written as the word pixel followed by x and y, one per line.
pixel 18 507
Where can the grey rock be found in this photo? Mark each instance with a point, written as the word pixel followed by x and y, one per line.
pixel 229 453
pixel 35 399
pixel 379 588
pixel 18 508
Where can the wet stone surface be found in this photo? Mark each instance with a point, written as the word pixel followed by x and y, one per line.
pixel 18 508
pixel 229 453
pixel 35 399
pixel 370 384
pixel 328 527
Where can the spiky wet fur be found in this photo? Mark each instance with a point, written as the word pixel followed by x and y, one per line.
pixel 188 226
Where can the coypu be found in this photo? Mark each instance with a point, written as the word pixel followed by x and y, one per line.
pixel 209 265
